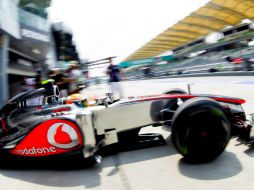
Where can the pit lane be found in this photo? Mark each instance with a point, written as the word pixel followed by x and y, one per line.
pixel 158 167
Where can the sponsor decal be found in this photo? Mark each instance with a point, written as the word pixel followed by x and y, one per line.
pixel 62 135
pixel 61 110
pixel 51 137
pixel 36 150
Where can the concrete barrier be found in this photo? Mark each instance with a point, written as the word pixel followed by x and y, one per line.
pixel 229 73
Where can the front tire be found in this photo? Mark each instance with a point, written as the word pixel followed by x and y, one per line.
pixel 200 130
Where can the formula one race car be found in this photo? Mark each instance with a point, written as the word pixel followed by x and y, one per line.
pixel 39 124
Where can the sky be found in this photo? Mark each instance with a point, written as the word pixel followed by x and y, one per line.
pixel 103 28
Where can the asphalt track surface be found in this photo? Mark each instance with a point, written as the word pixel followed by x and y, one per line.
pixel 152 168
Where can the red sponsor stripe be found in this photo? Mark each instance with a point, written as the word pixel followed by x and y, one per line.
pixel 61 110
pixel 4 125
pixel 184 96
pixel 230 100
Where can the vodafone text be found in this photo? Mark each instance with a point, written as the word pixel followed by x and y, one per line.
pixel 33 150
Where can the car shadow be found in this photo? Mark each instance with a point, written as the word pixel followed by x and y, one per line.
pixel 225 166
pixel 70 173
pixel 148 153
pixel 135 156
pixel 250 151
pixel 56 173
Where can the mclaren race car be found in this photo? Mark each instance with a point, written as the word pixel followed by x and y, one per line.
pixel 39 124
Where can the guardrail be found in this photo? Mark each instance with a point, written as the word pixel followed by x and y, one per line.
pixel 222 68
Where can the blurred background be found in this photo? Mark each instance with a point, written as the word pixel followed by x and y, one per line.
pixel 146 46
pixel 41 39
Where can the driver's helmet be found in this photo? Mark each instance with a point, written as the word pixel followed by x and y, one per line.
pixel 77 99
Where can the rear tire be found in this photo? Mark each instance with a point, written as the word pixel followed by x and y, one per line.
pixel 175 91
pixel 200 130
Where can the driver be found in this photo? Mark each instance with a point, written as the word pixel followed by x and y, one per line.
pixel 77 99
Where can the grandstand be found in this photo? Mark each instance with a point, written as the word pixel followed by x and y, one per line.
pixel 234 42
pixel 230 20
pixel 232 38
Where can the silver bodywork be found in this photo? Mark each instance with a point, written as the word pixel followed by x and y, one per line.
pixel 117 116
pixel 109 121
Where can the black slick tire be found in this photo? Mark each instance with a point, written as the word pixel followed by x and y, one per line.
pixel 200 130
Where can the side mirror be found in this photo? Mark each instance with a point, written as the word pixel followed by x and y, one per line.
pixel 102 101
pixel 110 97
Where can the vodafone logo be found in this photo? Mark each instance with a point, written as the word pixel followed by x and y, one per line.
pixel 62 135
pixel 51 137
